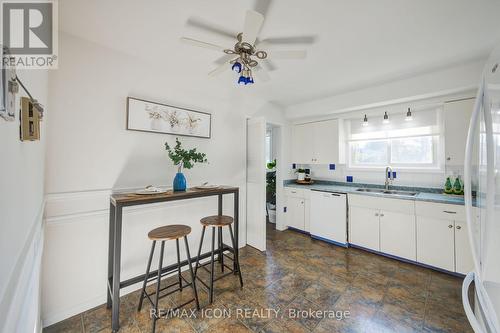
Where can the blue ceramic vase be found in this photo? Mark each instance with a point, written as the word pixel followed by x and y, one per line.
pixel 179 182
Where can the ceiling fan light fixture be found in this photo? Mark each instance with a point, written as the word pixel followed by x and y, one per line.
pixel 236 67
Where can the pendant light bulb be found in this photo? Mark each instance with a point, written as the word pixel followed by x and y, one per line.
pixel 386 118
pixel 409 117
pixel 365 121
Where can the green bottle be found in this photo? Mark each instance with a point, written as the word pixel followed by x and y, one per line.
pixel 448 186
pixel 458 186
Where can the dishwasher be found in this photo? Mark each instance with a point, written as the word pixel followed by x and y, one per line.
pixel 329 217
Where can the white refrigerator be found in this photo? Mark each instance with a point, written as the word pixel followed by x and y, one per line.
pixel 482 174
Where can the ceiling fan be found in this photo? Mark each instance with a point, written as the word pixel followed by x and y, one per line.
pixel 247 55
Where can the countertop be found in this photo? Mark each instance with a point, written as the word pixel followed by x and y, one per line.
pixel 424 194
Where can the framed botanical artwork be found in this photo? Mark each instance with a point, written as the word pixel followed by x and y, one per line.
pixel 146 116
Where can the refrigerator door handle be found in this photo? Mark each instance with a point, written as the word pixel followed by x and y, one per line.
pixel 465 301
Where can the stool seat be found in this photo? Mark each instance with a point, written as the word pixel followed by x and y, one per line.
pixel 167 232
pixel 217 220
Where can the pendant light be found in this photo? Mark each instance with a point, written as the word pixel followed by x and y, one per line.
pixel 409 117
pixel 365 121
pixel 386 118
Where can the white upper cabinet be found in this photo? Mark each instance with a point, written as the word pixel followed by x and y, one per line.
pixel 318 142
pixel 456 124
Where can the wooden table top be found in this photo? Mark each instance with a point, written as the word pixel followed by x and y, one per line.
pixel 132 198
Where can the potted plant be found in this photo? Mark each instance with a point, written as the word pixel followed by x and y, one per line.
pixel 301 174
pixel 271 191
pixel 183 158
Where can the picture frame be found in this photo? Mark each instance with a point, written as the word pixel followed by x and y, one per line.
pixel 7 97
pixel 154 117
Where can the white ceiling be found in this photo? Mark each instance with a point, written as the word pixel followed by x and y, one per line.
pixel 360 43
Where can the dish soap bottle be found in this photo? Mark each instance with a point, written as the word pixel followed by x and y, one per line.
pixel 448 186
pixel 458 186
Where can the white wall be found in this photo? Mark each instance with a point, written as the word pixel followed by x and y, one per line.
pixel 89 152
pixel 455 79
pixel 21 207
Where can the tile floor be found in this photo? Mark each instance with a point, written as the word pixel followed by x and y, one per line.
pixel 298 273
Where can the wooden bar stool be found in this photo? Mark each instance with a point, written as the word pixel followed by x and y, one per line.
pixel 217 221
pixel 169 232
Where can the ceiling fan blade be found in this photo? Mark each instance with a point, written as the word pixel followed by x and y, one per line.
pixel 261 73
pixel 202 24
pixel 268 64
pixel 199 43
pixel 290 54
pixel 290 40
pixel 262 6
pixel 225 59
pixel 219 70
pixel 253 23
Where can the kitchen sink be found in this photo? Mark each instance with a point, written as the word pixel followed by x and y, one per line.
pixel 383 191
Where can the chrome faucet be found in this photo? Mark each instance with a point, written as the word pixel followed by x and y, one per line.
pixel 388 176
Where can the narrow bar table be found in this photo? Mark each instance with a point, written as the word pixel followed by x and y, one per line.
pixel 120 200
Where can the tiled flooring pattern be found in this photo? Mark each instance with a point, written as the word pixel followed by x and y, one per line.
pixel 381 295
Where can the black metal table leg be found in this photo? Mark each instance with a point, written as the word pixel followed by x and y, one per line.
pixel 148 269
pixel 111 243
pixel 158 281
pixel 115 314
pixel 199 252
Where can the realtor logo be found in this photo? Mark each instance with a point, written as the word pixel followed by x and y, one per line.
pixel 29 33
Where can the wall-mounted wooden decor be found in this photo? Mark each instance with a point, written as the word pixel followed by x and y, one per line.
pixel 155 117
pixel 30 121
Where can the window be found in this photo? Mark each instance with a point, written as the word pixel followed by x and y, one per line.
pixel 410 144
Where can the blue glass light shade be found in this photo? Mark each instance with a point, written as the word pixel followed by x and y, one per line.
pixel 242 80
pixel 249 80
pixel 236 67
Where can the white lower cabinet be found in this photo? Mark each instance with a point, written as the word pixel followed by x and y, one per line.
pixel 442 237
pixel 397 234
pixel 435 242
pixel 364 227
pixel 296 213
pixel 463 255
pixel 297 208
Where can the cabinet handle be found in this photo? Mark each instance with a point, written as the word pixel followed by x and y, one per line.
pixel 335 195
pixel 459 227
pixel 381 214
pixel 376 214
pixel 449 212
pixel 293 191
pixel 450 226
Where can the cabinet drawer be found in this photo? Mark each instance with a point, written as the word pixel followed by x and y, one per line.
pixel 382 203
pixel 440 211
pixel 298 193
pixel 294 192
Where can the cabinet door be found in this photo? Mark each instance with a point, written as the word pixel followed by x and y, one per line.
pixel 295 212
pixel 397 234
pixel 456 122
pixel 463 255
pixel 326 142
pixel 364 227
pixel 302 138
pixel 435 242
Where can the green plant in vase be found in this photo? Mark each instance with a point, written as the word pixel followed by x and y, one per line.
pixel 183 158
